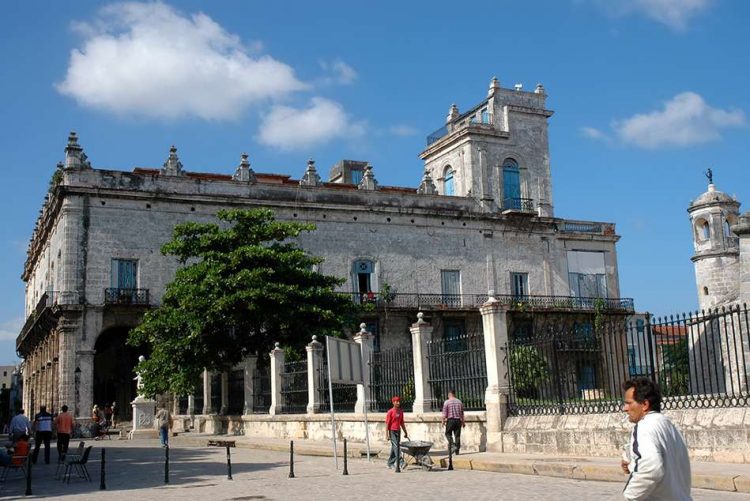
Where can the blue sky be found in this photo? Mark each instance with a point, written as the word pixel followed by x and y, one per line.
pixel 648 94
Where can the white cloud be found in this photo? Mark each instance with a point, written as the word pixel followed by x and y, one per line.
pixel 10 329
pixel 403 130
pixel 675 14
pixel 291 128
pixel 595 134
pixel 685 120
pixel 338 73
pixel 148 59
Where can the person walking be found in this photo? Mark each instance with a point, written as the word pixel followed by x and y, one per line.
pixel 19 425
pixel 164 421
pixel 64 427
pixel 453 420
pixel 43 433
pixel 658 461
pixel 114 414
pixel 394 423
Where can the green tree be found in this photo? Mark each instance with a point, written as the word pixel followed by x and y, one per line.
pixel 528 369
pixel 675 375
pixel 244 284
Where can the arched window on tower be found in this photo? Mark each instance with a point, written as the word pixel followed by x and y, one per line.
pixel 702 230
pixel 449 182
pixel 511 185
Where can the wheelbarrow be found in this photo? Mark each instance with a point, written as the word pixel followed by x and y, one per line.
pixel 416 452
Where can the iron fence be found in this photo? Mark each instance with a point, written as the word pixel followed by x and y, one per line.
pixel 391 373
pixel 261 389
pixel 215 393
pixel 458 363
pixel 126 296
pixel 344 395
pixel 519 204
pixel 473 301
pixel 698 360
pixel 294 388
pixel 182 405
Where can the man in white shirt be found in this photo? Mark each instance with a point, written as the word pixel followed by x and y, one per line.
pixel 659 465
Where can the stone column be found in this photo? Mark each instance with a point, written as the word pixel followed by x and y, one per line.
pixel 191 405
pixel 495 325
pixel 224 393
pixel 207 392
pixel 251 363
pixel 314 368
pixel 86 384
pixel 364 340
pixel 742 229
pixel 66 342
pixel 421 333
pixel 277 370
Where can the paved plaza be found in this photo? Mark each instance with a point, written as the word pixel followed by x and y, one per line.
pixel 135 470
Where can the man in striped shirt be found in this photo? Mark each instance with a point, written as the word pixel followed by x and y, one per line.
pixel 453 419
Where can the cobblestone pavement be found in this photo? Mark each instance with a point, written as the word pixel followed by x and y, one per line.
pixel 135 470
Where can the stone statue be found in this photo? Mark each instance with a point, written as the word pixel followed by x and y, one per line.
pixel 710 176
pixel 138 378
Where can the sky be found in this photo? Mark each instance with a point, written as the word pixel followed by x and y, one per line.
pixel 647 95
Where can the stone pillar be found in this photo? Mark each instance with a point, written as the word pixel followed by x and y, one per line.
pixel 175 404
pixel 314 368
pixel 86 384
pixel 421 333
pixel 207 392
pixel 191 406
pixel 66 342
pixel 364 340
pixel 224 393
pixel 251 363
pixel 277 370
pixel 495 325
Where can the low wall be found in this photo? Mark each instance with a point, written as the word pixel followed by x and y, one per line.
pixel 710 434
pixel 350 426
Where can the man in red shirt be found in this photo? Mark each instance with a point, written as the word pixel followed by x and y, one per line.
pixel 64 425
pixel 394 423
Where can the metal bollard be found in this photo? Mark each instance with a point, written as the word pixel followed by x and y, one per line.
pixel 102 483
pixel 291 459
pixel 346 470
pixel 450 454
pixel 28 475
pixel 166 465
pixel 229 465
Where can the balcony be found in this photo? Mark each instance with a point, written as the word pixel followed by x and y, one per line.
pixel 411 301
pixel 136 297
pixel 518 205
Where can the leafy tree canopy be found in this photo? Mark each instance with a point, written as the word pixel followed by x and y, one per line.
pixel 244 284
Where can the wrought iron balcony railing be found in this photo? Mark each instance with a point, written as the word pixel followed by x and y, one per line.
pixel 471 301
pixel 139 297
pixel 519 204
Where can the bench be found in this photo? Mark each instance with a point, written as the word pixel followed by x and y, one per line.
pixel 221 443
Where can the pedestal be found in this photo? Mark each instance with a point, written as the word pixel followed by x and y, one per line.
pixel 143 419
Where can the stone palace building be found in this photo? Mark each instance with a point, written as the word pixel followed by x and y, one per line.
pixel 480 221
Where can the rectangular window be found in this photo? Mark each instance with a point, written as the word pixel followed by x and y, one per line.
pixel 485 116
pixel 450 282
pixel 587 274
pixel 356 176
pixel 124 274
pixel 519 284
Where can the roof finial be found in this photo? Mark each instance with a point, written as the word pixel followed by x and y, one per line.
pixel 173 166
pixel 311 177
pixel 710 175
pixel 368 180
pixel 244 173
pixel 75 158
pixel 494 85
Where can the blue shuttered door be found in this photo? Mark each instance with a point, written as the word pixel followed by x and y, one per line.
pixel 451 287
pixel 511 187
